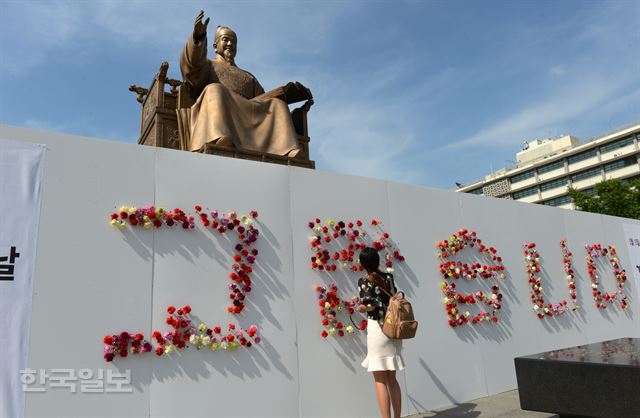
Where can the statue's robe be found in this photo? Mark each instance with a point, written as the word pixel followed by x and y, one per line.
pixel 226 108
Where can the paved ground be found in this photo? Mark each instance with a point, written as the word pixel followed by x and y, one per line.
pixel 504 405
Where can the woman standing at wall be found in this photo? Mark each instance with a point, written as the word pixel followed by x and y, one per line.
pixel 383 354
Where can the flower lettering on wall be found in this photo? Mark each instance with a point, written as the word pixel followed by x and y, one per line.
pixel 532 264
pixel 184 335
pixel 335 246
pixel 453 270
pixel 244 227
pixel 602 299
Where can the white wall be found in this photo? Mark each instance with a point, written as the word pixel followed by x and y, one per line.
pixel 92 279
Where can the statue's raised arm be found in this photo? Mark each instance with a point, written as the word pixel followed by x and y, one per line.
pixel 200 28
pixel 194 65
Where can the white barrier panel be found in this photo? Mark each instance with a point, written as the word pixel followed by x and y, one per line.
pixel 21 166
pixel 93 280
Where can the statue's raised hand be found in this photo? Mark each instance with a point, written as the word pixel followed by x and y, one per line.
pixel 200 28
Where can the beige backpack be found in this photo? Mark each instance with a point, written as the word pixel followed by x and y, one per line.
pixel 399 322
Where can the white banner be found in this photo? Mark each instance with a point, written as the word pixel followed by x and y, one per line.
pixel 632 236
pixel 21 165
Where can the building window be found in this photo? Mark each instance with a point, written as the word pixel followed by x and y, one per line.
pixel 586 174
pixel 582 156
pixel 525 192
pixel 617 144
pixel 589 192
pixel 625 162
pixel 551 167
pixel 553 184
pixel 476 191
pixel 562 200
pixel 497 188
pixel 523 176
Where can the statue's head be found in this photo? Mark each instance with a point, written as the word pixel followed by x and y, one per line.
pixel 226 43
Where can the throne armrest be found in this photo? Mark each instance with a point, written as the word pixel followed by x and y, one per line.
pixel 292 92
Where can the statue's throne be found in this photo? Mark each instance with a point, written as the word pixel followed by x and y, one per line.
pixel 160 120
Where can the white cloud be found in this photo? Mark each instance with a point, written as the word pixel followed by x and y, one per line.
pixel 561 105
pixel 558 70
pixel 32 32
pixel 364 138
pixel 43 125
pixel 603 73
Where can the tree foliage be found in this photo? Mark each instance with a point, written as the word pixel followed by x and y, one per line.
pixel 613 197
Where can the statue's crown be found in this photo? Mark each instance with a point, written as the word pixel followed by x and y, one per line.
pixel 221 29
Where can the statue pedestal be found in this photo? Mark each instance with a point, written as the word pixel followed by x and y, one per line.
pixel 257 156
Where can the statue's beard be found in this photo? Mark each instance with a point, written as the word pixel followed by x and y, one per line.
pixel 228 56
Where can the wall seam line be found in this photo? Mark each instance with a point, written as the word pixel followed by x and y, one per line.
pixel 293 290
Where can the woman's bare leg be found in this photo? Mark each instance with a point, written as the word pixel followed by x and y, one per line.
pixel 382 393
pixel 394 392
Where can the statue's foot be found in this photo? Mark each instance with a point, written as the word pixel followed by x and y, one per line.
pixel 224 141
pixel 296 154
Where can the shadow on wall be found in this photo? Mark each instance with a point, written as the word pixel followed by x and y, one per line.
pixel 242 363
pixel 191 245
pixel 267 288
pixel 203 364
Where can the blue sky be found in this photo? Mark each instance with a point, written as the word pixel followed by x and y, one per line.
pixel 423 92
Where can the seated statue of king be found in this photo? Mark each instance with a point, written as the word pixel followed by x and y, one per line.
pixel 227 111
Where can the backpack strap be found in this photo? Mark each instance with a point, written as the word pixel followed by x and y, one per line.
pixel 380 285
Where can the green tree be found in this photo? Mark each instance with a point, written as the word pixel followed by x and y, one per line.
pixel 613 197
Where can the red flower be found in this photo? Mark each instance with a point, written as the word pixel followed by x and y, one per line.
pixel 108 340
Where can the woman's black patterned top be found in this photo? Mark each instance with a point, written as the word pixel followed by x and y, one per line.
pixel 371 295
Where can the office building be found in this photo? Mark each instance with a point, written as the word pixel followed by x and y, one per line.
pixel 546 168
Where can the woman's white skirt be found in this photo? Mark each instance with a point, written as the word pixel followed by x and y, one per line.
pixel 382 353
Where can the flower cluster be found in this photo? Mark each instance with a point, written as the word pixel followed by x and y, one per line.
pixel 118 344
pixel 532 264
pixel 452 299
pixel 603 298
pixel 184 333
pixel 454 270
pixel 567 263
pixel 458 242
pixel 243 225
pixel 356 238
pixel 151 216
pixel 330 306
pixel 245 256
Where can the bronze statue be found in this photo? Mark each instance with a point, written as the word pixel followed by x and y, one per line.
pixel 231 108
